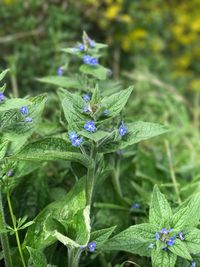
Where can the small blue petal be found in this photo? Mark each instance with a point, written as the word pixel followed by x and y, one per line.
pixel 193 264
pixel 157 236
pixel 60 71
pixel 170 242
pixel 86 97
pixel 28 119
pixel 180 235
pixel 136 206
pixel 87 59
pixel 10 173
pixel 90 126
pixel 164 231
pixel 77 142
pixel 73 135
pixel 81 47
pixel 92 246
pixel 24 110
pixel 2 97
pixel 122 129
pixel 94 61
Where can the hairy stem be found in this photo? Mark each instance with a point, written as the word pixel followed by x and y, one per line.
pixel 15 229
pixel 4 237
pixel 172 173
pixel 73 257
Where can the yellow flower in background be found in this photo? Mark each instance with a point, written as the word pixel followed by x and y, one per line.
pixel 195 84
pixel 125 18
pixel 195 25
pixel 183 62
pixel 112 11
pixel 131 38
pixel 8 2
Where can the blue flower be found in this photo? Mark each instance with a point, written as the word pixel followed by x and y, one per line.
pixel 92 43
pixel 157 236
pixel 92 246
pixel 24 110
pixel 87 59
pixel 86 109
pixel 10 173
pixel 77 141
pixel 170 242
pixel 94 61
pixel 86 97
pixel 164 231
pixel 136 206
pixel 2 97
pixel 28 119
pixel 180 235
pixel 73 135
pixel 60 71
pixel 193 264
pixel 90 126
pixel 122 129
pixel 81 47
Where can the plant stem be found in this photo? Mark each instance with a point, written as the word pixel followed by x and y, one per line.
pixel 172 173
pixel 15 229
pixel 4 237
pixel 90 178
pixel 73 257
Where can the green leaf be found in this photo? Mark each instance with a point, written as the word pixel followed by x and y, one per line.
pixel 135 239
pixel 51 149
pixel 137 131
pixel 192 240
pixel 160 212
pixel 73 106
pixel 180 249
pixel 100 236
pixel 3 148
pixel 116 102
pixel 14 103
pixel 180 218
pixel 37 257
pixel 3 74
pixel 161 258
pixel 64 82
pixel 71 213
pixel 98 71
pixel 13 126
pixel 65 240
pixel 96 136
pixel 193 215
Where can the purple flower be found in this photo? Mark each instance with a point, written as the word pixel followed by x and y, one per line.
pixel 2 97
pixel 90 126
pixel 77 141
pixel 87 59
pixel 122 129
pixel 28 119
pixel 73 135
pixel 24 110
pixel 157 236
pixel 92 246
pixel 164 231
pixel 86 97
pixel 60 71
pixel 180 235
pixel 94 61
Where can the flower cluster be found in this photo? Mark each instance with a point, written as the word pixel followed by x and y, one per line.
pixel 93 61
pixel 76 141
pixel 2 97
pixel 164 236
pixel 24 111
pixel 92 246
